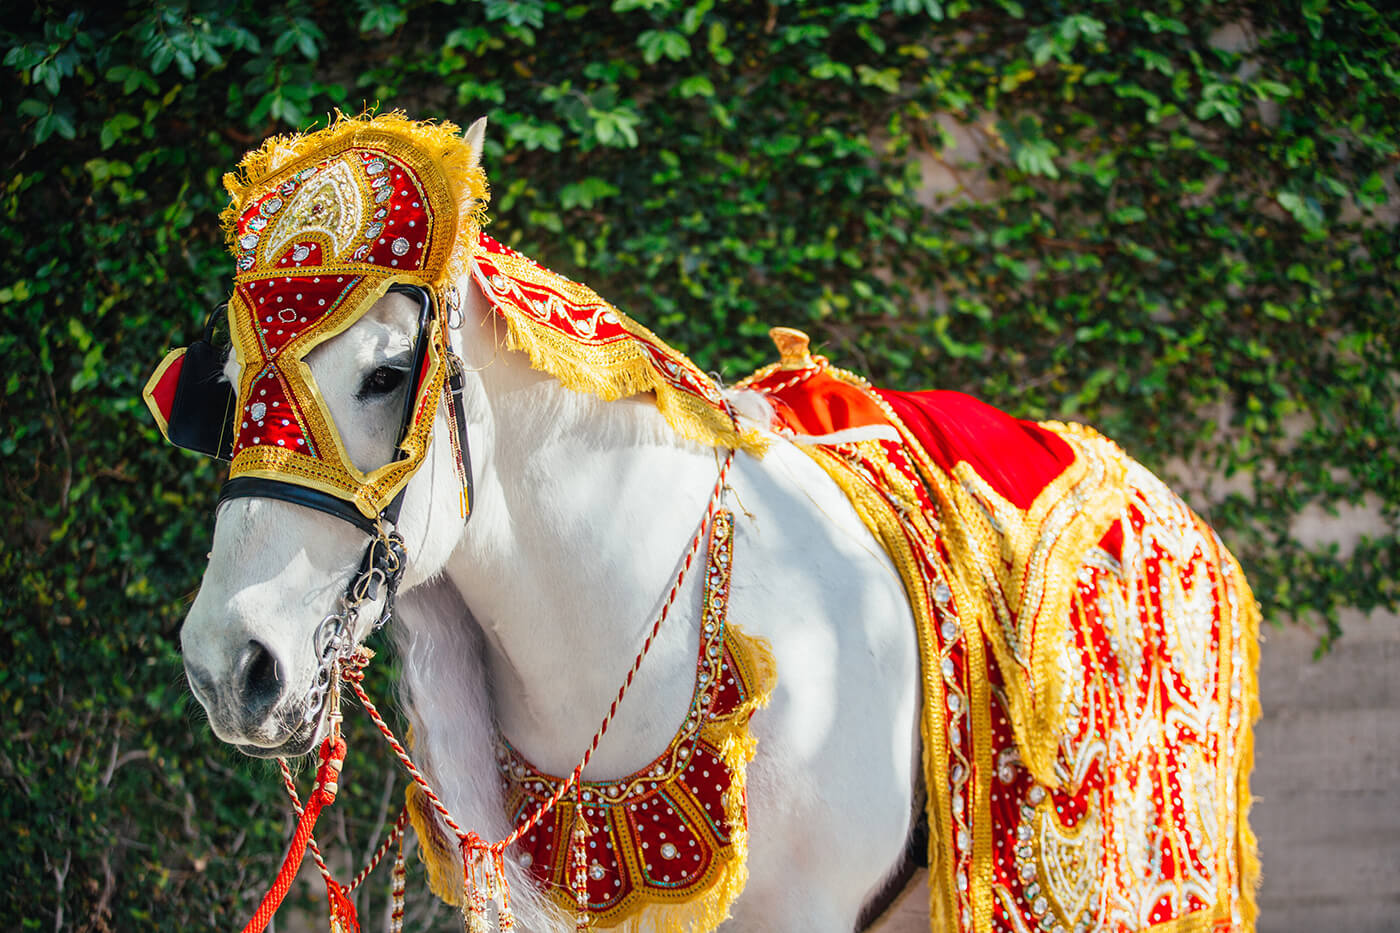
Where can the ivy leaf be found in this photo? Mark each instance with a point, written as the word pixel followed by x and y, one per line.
pixel 696 86
pixel 615 126
pixel 54 122
pixel 534 136
pixel 386 18
pixel 1161 24
pixel 586 193
pixel 529 13
pixel 1305 210
pixel 115 126
pixel 1030 150
pixel 886 79
pixel 933 9
pixel 663 43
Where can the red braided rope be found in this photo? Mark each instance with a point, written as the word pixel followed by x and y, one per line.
pixel 291 788
pixel 327 776
pixel 395 834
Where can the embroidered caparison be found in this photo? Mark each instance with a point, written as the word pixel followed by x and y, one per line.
pixel 1088 649
pixel 667 845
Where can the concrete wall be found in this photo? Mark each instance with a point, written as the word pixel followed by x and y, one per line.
pixel 1326 785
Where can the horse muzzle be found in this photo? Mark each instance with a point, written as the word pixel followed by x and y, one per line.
pixel 254 709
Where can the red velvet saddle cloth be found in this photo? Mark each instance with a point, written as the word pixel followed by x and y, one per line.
pixel 1088 650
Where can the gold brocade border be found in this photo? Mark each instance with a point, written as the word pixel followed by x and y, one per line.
pixel 445 163
pixel 612 369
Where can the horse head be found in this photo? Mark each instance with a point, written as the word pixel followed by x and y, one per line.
pixel 349 245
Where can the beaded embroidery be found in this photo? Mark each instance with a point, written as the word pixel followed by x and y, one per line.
pixel 320 226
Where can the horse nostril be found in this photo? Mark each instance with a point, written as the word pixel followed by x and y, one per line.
pixel 261 680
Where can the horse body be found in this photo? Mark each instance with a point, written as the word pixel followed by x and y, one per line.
pixel 527 619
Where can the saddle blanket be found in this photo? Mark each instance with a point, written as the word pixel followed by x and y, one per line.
pixel 1088 649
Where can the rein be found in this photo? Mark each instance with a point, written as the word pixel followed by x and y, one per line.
pixel 483 863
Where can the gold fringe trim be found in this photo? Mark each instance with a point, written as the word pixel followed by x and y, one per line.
pixel 439 148
pixel 619 369
pixel 1009 577
pixel 439 854
pixel 737 746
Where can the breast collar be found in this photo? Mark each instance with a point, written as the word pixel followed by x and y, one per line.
pixel 674 833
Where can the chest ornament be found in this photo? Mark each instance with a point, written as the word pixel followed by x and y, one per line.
pixel 664 848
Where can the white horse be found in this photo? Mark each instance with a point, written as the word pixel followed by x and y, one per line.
pixel 524 622
pixel 526 619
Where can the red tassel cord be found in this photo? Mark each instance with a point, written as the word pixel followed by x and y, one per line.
pixel 332 756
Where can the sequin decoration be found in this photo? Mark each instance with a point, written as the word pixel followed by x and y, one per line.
pixel 314 244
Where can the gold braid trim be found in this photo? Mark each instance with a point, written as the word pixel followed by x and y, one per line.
pixel 437 148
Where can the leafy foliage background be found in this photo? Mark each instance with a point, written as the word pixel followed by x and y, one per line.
pixel 1181 226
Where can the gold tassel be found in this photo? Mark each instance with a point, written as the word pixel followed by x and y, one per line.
pixel 474 901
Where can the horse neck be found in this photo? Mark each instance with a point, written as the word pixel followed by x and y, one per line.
pixel 584 513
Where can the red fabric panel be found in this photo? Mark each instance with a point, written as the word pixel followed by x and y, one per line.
pixel 822 404
pixel 163 392
pixel 1017 458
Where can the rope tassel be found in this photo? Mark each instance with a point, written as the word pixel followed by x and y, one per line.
pixel 483 884
pixel 578 856
pixel 396 892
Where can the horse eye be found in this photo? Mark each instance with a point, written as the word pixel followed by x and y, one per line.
pixel 382 381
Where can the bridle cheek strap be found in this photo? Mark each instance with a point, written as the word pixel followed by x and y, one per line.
pixel 457 432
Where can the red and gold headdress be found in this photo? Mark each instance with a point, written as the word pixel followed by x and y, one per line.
pixel 321 225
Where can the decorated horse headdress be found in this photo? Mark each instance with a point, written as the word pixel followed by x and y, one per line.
pixel 321 226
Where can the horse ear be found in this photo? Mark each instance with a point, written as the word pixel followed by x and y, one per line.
pixel 475 137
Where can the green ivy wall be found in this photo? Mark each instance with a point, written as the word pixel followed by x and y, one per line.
pixel 1175 220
